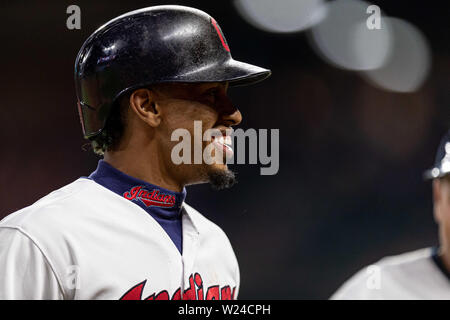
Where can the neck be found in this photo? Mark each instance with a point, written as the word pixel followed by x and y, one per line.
pixel 147 166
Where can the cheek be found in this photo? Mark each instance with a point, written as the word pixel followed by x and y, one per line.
pixel 183 115
pixel 444 227
pixel 445 208
pixel 444 212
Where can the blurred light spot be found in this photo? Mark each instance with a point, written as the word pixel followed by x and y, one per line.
pixel 343 39
pixel 281 16
pixel 409 62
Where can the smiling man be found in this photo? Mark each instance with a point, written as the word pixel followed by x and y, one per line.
pixel 125 231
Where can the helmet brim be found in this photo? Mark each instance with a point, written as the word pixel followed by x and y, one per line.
pixel 236 73
pixel 244 74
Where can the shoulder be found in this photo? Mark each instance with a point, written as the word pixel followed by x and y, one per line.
pixel 385 277
pixel 406 266
pixel 405 260
pixel 58 207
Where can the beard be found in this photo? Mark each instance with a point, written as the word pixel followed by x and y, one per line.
pixel 221 179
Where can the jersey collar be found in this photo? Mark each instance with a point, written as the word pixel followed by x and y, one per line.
pixel 165 203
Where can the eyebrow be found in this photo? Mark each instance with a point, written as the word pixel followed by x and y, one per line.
pixel 212 88
pixel 218 85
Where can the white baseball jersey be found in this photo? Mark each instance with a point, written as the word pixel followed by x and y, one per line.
pixel 417 275
pixel 84 241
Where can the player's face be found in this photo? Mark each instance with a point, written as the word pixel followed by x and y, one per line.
pixel 441 197
pixel 209 106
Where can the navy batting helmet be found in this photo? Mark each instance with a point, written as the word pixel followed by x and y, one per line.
pixel 152 45
pixel 441 166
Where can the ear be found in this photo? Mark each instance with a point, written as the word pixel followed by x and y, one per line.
pixel 142 102
pixel 437 198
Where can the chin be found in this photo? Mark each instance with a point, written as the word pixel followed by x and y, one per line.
pixel 218 167
pixel 220 177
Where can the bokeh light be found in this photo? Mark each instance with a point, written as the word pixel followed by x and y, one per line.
pixel 281 16
pixel 343 39
pixel 409 61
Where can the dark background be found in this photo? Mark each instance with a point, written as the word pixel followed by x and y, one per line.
pixel 349 190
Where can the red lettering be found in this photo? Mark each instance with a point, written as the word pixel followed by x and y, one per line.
pixel 177 295
pixel 194 292
pixel 143 194
pixel 213 293
pixel 154 195
pixel 199 283
pixel 226 293
pixel 134 293
pixel 189 294
pixel 163 295
pixel 132 194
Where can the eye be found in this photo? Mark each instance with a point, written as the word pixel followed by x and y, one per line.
pixel 210 95
pixel 211 92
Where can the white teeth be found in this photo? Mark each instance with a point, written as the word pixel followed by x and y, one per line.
pixel 226 141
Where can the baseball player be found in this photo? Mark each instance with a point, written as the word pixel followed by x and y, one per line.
pixel 125 232
pixel 423 274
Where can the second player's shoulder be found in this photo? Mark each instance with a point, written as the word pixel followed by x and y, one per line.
pixel 383 279
pixel 407 259
pixel 405 267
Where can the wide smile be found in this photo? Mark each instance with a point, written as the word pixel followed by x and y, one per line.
pixel 223 143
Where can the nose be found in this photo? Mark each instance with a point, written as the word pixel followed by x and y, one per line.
pixel 232 119
pixel 228 113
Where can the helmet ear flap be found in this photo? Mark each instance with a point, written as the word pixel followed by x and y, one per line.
pixel 81 115
pixel 89 118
